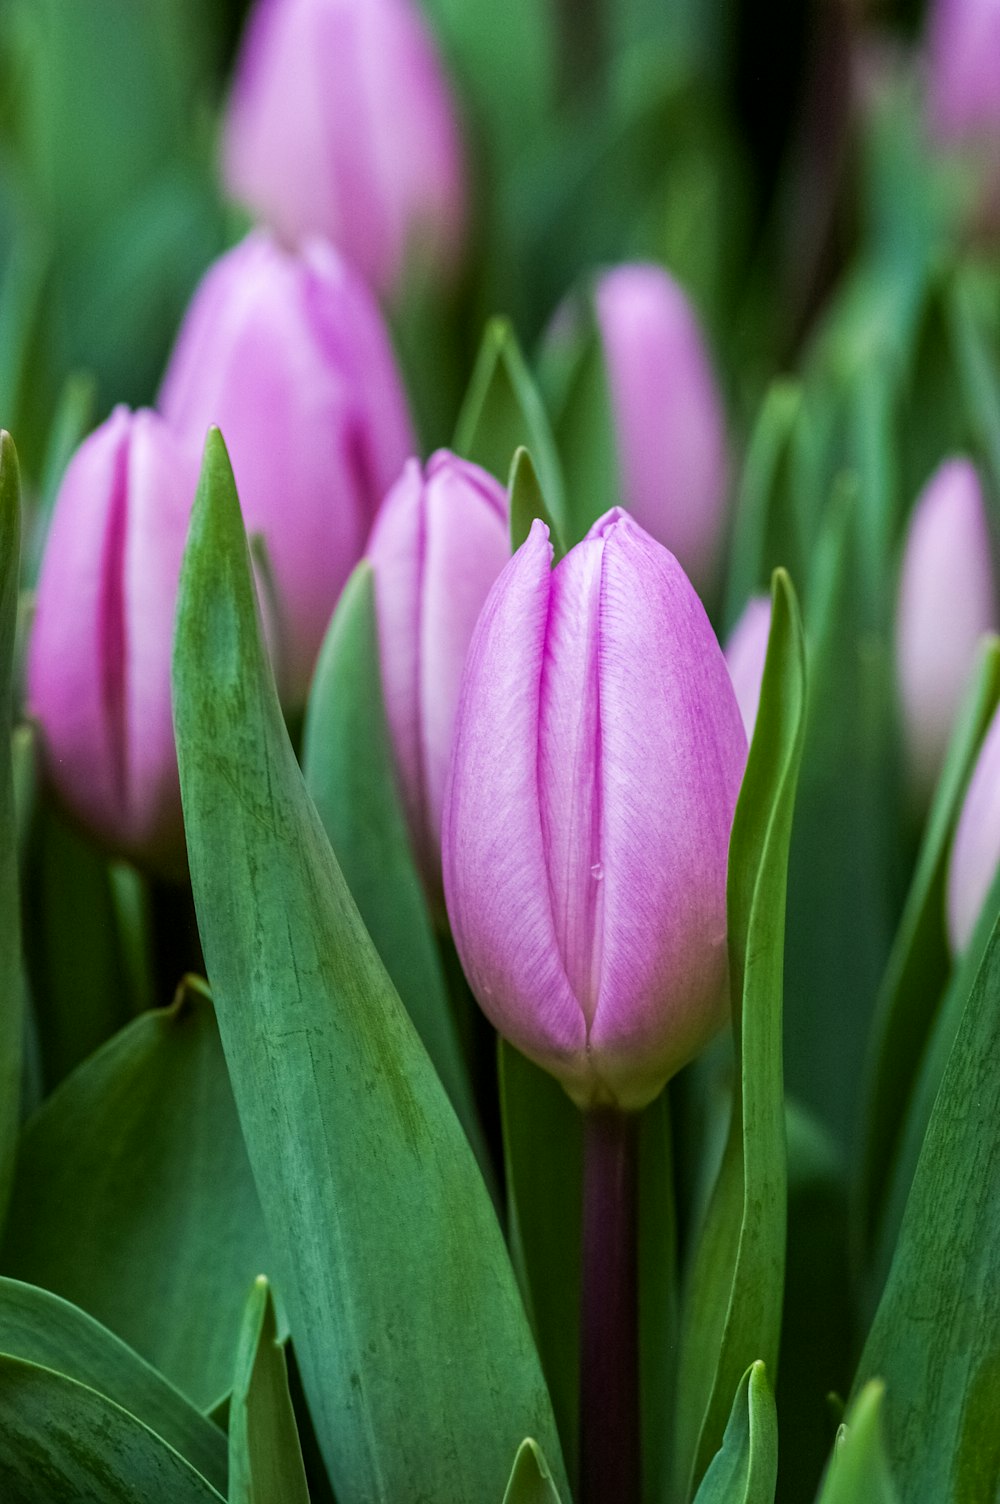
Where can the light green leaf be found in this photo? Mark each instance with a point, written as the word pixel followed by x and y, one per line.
pixel 265 1459
pixel 349 771
pixel 50 1332
pixel 133 1196
pixel 978 367
pixel 503 412
pixel 61 1440
pixel 530 1481
pixel 745 1468
pixel 528 502
pixel 415 1352
pixel 935 1340
pixel 575 382
pixel 764 532
pixel 732 1308
pixel 859 1472
pixel 11 994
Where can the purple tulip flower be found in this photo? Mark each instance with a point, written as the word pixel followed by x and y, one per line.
pixel 746 652
pixel 964 59
pixel 341 124
pixel 975 852
pixel 99 660
pixel 598 755
pixel 439 542
pixel 947 600
pixel 288 355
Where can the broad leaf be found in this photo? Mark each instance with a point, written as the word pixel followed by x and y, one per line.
pixel 732 1309
pixel 530 1481
pixel 134 1200
pixel 11 995
pixel 527 502
pixel 858 1471
pixel 265 1459
pixel 745 1468
pixel 43 1329
pixel 416 1355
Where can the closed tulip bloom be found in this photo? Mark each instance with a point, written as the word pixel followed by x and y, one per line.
pixel 598 755
pixel 99 659
pixel 975 852
pixel 287 354
pixel 440 540
pixel 746 652
pixel 964 49
pixel 667 413
pixel 947 600
pixel 341 124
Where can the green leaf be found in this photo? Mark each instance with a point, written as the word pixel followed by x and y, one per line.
pixel 50 1332
pixel 575 381
pixel 415 1352
pixel 978 367
pixel 764 532
pixel 349 771
pixel 265 1459
pixel 920 962
pixel 11 995
pixel 527 502
pixel 61 1440
pixel 935 1340
pixel 859 1472
pixel 732 1308
pixel 745 1468
pixel 530 1481
pixel 133 1196
pixel 503 412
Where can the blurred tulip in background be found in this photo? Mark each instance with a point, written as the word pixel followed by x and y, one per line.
pixel 975 854
pixel 746 651
pixel 598 755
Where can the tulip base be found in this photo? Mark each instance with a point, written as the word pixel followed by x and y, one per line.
pixel 609 1331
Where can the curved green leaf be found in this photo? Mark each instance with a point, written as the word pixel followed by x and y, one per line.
pixel 745 1468
pixel 527 502
pixel 348 768
pixel 11 994
pixel 415 1352
pixel 50 1332
pixel 764 532
pixel 935 1340
pixel 858 1471
pixel 134 1200
pixel 265 1459
pixel 61 1440
pixel 530 1481
pixel 732 1308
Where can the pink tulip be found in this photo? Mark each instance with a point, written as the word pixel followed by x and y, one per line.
pixel 598 755
pixel 746 652
pixel 947 600
pixel 964 59
pixel 288 355
pixel 341 124
pixel 439 542
pixel 975 853
pixel 667 413
pixel 99 661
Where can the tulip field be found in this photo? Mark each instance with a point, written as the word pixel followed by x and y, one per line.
pixel 500 783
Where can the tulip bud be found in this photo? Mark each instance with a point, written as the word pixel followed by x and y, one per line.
pixel 947 600
pixel 746 652
pixel 975 852
pixel 964 57
pixel 598 756
pixel 341 124
pixel 287 354
pixel 439 542
pixel 99 659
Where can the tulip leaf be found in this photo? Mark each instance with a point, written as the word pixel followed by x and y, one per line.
pixel 859 1471
pixel 133 1196
pixel 745 1468
pixel 575 381
pixel 732 1309
pixel 41 1328
pixel 11 993
pixel 61 1440
pixel 265 1459
pixel 935 1339
pixel 763 534
pixel 415 1352
pixel 920 961
pixel 349 771
pixel 978 368
pixel 503 412
pixel 530 1481
pixel 528 502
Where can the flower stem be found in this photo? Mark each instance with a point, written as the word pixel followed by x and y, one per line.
pixel 609 1335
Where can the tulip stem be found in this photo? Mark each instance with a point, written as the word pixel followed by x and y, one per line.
pixel 609 1332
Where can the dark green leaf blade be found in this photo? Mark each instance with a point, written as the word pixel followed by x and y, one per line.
pixel 134 1199
pixel 732 1306
pixel 530 1481
pixel 348 767
pixel 11 997
pixel 415 1351
pixel 48 1331
pixel 61 1440
pixel 265 1459
pixel 745 1468
pixel 859 1472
